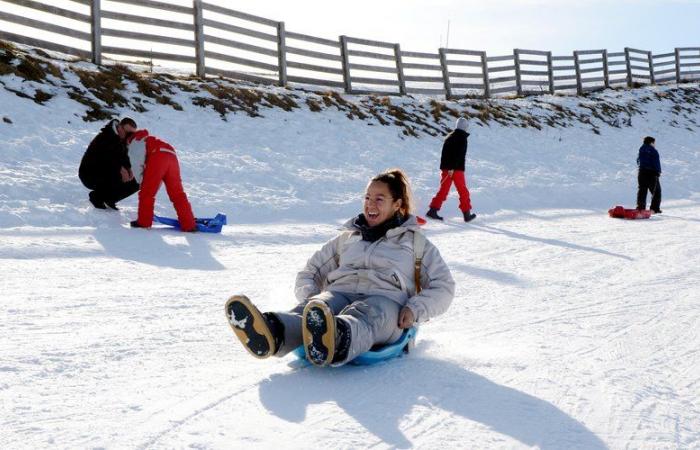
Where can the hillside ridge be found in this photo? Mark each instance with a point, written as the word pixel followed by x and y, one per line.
pixel 40 76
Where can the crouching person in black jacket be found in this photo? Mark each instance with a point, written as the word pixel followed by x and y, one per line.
pixel 105 168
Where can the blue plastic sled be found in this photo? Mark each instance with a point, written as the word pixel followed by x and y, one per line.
pixel 205 225
pixel 385 353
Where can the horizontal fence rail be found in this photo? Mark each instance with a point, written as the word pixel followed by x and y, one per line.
pixel 219 41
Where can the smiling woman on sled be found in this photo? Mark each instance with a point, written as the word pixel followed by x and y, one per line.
pixel 363 288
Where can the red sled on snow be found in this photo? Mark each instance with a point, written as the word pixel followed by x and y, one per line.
pixel 620 212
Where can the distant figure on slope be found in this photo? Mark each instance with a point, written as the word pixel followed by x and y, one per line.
pixel 648 177
pixel 359 289
pixel 454 152
pixel 105 168
pixel 155 162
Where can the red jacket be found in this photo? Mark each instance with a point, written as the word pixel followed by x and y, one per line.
pixel 141 146
pixel 153 162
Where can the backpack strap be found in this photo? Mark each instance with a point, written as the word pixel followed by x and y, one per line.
pixel 418 250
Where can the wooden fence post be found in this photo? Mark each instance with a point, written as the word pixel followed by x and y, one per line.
pixel 282 54
pixel 485 75
pixel 399 69
pixel 652 78
pixel 199 38
pixel 346 63
pixel 606 69
pixel 577 68
pixel 518 76
pixel 678 64
pixel 96 29
pixel 550 72
pixel 629 67
pixel 445 73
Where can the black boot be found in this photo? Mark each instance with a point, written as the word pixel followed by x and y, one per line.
pixel 318 333
pixel 276 328
pixel 253 329
pixel 433 214
pixel 342 340
pixel 469 216
pixel 96 201
pixel 111 205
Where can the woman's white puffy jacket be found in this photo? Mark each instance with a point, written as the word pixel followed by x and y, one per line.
pixel 385 267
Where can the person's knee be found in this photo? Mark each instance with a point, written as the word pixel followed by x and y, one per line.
pixel 369 313
pixel 177 195
pixel 181 199
pixel 132 187
pixel 146 197
pixel 88 182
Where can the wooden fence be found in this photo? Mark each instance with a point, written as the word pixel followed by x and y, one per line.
pixel 215 40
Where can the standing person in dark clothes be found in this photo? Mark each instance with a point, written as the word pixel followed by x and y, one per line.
pixel 105 168
pixel 454 152
pixel 648 177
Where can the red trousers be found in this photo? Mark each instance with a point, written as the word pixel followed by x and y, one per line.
pixel 163 167
pixel 446 181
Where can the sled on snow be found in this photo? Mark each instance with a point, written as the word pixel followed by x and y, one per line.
pixel 378 354
pixel 620 212
pixel 205 225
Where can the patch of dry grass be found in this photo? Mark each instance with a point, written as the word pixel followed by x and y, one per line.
pixel 118 85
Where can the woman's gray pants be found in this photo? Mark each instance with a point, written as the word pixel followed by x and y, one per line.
pixel 372 319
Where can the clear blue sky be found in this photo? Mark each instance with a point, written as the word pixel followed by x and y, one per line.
pixel 497 26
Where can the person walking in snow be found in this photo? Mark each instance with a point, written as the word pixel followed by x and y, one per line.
pixel 360 289
pixel 452 161
pixel 155 162
pixel 648 176
pixel 105 168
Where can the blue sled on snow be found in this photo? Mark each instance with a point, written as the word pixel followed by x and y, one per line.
pixel 205 225
pixel 404 345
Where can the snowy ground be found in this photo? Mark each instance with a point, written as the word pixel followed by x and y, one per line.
pixel 569 330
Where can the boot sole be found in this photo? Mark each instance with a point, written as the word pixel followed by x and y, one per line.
pixel 249 326
pixel 318 333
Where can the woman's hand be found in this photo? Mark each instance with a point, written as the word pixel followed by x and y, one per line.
pixel 127 174
pixel 406 318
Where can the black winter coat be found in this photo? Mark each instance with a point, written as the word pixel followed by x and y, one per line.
pixel 648 159
pixel 454 151
pixel 105 155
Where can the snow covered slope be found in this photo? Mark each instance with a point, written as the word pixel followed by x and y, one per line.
pixel 569 330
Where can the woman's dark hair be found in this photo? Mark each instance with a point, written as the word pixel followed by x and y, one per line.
pixel 128 121
pixel 400 188
pixel 649 140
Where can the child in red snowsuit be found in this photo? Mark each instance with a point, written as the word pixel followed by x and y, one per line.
pixel 153 162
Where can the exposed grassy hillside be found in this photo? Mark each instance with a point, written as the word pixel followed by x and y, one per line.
pixel 35 74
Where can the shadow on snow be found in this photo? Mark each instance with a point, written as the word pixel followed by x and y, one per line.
pixel 381 396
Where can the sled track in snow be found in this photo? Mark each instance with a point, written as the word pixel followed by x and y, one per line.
pixel 179 423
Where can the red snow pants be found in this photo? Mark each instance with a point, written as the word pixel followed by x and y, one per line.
pixel 163 167
pixel 446 181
